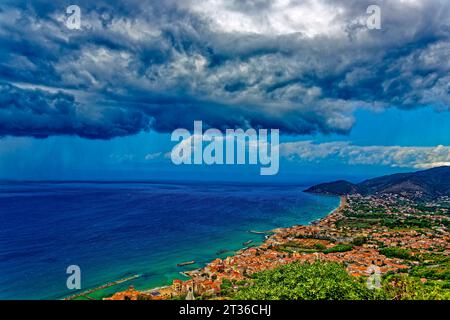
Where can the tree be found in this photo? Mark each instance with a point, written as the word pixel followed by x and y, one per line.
pixel 317 281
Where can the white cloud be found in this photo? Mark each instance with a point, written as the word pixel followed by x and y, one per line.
pixel 345 152
pixel 121 158
pixel 311 18
pixel 153 156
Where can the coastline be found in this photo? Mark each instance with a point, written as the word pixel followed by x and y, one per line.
pixel 395 236
pixel 130 229
pixel 267 235
pixel 274 232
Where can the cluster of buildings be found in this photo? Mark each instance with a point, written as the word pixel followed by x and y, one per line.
pixel 433 239
pixel 412 239
pixel 310 243
pixel 130 294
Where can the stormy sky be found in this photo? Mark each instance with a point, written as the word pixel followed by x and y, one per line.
pixel 305 67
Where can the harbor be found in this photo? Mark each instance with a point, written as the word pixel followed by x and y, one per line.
pixel 85 294
pixel 185 263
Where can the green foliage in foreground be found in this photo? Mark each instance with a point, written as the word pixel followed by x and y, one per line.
pixel 330 281
pixel 434 272
pixel 317 281
pixel 405 287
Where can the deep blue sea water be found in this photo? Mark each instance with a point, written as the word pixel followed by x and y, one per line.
pixel 113 230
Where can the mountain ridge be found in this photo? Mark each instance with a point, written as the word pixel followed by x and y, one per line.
pixel 425 184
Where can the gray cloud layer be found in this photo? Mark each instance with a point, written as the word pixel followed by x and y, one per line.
pixel 300 66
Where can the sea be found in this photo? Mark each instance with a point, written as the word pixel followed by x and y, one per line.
pixel 115 230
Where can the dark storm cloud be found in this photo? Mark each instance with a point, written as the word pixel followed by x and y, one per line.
pixel 300 66
pixel 38 113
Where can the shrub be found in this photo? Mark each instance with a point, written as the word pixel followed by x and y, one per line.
pixel 226 284
pixel 339 248
pixel 330 281
pixel 404 287
pixel 400 253
pixel 317 281
pixel 359 241
pixel 320 246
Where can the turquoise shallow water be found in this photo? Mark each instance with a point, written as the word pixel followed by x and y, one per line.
pixel 113 230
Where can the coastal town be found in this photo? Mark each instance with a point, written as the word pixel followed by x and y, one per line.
pixel 387 233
